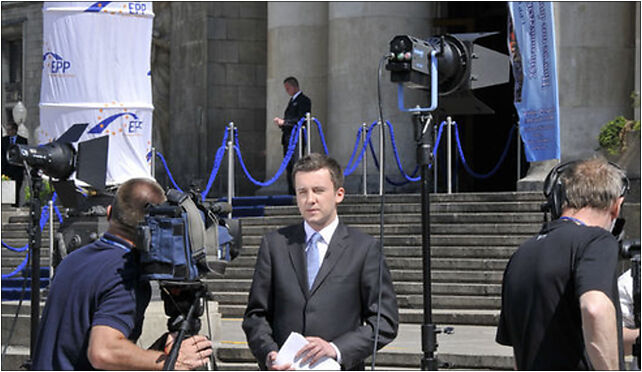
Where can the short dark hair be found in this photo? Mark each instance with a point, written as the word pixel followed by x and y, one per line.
pixel 128 207
pixel 315 161
pixel 292 81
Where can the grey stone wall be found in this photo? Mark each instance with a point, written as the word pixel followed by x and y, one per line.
pixel 28 17
pixel 596 69
pixel 236 64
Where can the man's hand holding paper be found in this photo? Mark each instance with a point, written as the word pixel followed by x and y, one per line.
pixel 307 353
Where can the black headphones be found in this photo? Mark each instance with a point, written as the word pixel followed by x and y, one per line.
pixel 554 189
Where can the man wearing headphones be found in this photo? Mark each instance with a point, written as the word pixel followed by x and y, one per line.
pixel 559 292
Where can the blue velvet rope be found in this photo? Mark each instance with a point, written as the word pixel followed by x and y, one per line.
pixel 294 138
pixel 42 223
pixel 349 169
pixel 218 159
pixel 325 146
pixel 169 174
pixel 394 146
pixel 499 162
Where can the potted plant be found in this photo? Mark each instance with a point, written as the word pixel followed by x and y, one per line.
pixel 619 141
pixel 8 190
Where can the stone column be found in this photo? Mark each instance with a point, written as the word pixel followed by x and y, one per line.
pixel 359 35
pixel 297 46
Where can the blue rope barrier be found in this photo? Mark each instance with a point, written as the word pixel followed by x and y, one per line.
pixel 220 152
pixel 325 146
pixel 169 174
pixel 499 162
pixel 42 223
pixel 396 153
pixel 18 269
pixel 294 138
pixel 354 149
pixel 434 153
pixel 349 169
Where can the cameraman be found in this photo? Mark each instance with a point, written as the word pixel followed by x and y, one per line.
pixel 559 292
pixel 96 304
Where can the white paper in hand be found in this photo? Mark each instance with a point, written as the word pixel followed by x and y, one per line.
pixel 292 345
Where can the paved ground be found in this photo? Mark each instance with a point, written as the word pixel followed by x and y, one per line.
pixel 468 340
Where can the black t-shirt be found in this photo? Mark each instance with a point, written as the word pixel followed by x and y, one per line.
pixel 95 285
pixel 542 285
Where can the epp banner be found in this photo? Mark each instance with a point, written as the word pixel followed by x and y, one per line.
pixel 96 66
pixel 533 58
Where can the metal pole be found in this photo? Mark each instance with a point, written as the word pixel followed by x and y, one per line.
pixel 35 235
pixel 230 166
pixel 364 164
pixel 381 155
pixel 300 135
pixel 434 161
pixel 519 154
pixel 51 238
pixel 153 163
pixel 449 156
pixel 308 137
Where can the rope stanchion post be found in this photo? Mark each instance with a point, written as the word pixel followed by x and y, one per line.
pixel 434 159
pixel 300 141
pixel 519 153
pixel 364 165
pixel 382 133
pixel 449 155
pixel 308 137
pixel 153 163
pixel 51 238
pixel 230 165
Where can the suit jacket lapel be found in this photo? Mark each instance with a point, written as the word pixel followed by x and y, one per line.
pixel 297 256
pixel 336 248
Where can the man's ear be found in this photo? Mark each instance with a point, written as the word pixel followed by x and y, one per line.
pixel 617 207
pixel 109 212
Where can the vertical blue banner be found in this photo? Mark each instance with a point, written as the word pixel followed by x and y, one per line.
pixel 532 49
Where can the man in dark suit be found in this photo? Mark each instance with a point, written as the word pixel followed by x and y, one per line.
pixel 298 105
pixel 319 278
pixel 14 172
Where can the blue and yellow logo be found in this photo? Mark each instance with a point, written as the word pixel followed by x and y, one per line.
pixel 134 7
pixel 130 124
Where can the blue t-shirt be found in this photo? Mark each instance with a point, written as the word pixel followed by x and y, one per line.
pixel 95 285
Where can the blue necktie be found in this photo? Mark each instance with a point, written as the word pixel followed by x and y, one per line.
pixel 312 255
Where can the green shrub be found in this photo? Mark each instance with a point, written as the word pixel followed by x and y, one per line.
pixel 46 191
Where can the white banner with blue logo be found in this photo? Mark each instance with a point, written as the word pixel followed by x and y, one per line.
pixel 532 48
pixel 96 70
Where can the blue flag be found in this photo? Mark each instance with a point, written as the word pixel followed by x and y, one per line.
pixel 532 49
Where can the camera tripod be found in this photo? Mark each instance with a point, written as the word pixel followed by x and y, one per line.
pixel 183 303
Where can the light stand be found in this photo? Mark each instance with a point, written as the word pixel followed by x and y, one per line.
pixel 34 247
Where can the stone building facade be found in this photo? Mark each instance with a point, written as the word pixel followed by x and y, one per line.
pixel 220 62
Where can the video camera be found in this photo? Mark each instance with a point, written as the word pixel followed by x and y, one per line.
pixel 184 239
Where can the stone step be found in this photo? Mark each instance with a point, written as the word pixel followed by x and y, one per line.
pixel 436 240
pixel 415 229
pixel 415 263
pixel 15 358
pixel 466 207
pixel 351 219
pixel 450 316
pixel 21 332
pixel 402 275
pixel 23 226
pixel 446 198
pixel 436 252
pixel 401 288
pixel 414 301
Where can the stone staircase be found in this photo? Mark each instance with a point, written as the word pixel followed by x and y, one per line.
pixel 472 237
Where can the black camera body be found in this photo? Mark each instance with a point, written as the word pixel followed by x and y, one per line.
pixel 184 239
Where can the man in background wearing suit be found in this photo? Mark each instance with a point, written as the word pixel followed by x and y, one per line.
pixel 298 105
pixel 319 278
pixel 14 172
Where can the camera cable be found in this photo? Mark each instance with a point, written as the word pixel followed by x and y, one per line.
pixel 381 218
